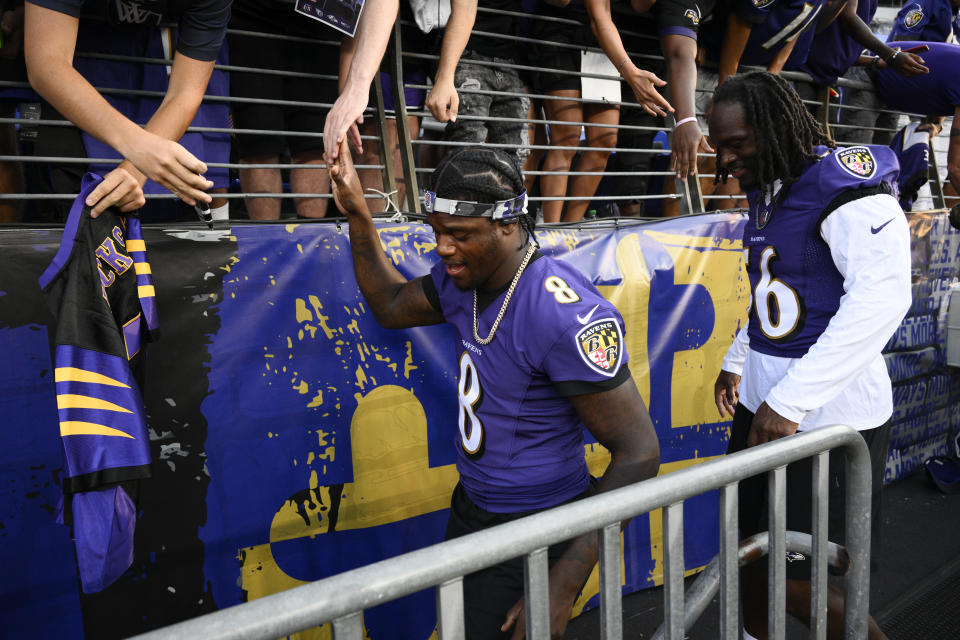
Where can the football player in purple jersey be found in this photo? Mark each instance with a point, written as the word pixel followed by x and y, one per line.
pixel 828 255
pixel 541 358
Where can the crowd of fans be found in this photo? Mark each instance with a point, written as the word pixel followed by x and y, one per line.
pixel 523 75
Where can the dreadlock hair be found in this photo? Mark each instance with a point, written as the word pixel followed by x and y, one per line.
pixel 480 174
pixel 784 130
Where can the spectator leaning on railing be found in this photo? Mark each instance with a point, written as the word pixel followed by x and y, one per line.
pixel 677 24
pixel 151 152
pixel 275 54
pixel 936 95
pixel 569 110
pixel 479 63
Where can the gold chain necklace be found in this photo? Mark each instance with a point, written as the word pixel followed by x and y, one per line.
pixel 506 301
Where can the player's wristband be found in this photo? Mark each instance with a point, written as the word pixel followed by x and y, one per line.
pixel 893 57
pixel 685 121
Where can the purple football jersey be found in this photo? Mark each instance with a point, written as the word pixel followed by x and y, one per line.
pixel 796 287
pixel 520 441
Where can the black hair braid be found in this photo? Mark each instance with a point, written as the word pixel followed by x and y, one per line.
pixel 480 174
pixel 784 130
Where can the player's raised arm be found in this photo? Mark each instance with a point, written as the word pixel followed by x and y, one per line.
pixel 396 303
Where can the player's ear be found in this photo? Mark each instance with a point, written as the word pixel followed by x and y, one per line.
pixel 508 228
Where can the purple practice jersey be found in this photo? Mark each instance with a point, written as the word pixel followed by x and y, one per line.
pixel 796 287
pixel 833 51
pixel 929 20
pixel 520 441
pixel 932 94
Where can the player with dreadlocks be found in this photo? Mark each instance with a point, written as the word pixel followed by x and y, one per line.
pixel 828 255
pixel 778 116
pixel 541 357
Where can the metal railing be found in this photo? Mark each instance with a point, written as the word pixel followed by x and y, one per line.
pixel 416 150
pixel 342 598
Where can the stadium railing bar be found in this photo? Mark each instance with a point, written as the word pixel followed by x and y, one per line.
pixel 341 599
pixel 418 152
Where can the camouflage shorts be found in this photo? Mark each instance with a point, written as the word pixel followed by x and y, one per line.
pixel 507 99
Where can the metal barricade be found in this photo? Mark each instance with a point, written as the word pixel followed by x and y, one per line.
pixel 342 598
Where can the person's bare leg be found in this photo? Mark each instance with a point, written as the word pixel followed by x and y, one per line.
pixel 798 606
pixel 537 134
pixel 262 181
pixel 372 178
pixel 753 592
pixel 310 181
pixel 413 126
pixel 11 173
pixel 567 138
pixel 585 185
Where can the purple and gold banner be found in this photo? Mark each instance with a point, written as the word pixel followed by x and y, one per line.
pixel 294 438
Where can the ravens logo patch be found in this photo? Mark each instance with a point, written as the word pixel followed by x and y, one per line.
pixel 857 161
pixel 600 344
pixel 762 4
pixel 693 15
pixel 913 17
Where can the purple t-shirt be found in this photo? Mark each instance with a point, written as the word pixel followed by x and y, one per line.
pixel 795 285
pixel 932 94
pixel 833 51
pixel 520 441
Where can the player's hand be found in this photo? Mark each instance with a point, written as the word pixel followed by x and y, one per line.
pixel 345 183
pixel 768 425
pixel 443 101
pixel 561 606
pixel 171 166
pixel 346 114
pixel 121 188
pixel 644 85
pixel 688 140
pixel 726 392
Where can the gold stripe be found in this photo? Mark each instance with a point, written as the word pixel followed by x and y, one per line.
pixel 76 401
pixel 146 291
pixel 142 268
pixel 136 245
pixel 71 374
pixel 72 428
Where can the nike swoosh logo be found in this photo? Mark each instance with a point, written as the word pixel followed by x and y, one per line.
pixel 877 229
pixel 586 319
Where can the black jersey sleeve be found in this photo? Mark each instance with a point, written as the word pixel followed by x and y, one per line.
pixel 579 388
pixel 430 290
pixel 681 17
pixel 203 25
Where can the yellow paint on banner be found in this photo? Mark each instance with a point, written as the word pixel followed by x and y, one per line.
pixel 142 268
pixel 694 370
pixel 632 299
pixel 135 245
pixel 146 291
